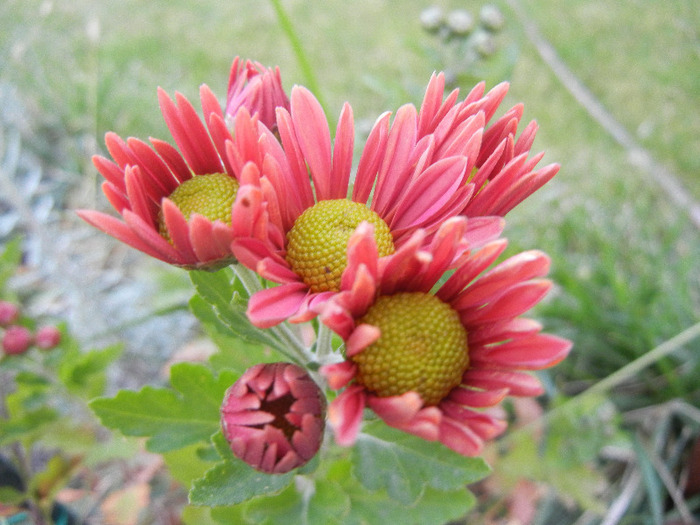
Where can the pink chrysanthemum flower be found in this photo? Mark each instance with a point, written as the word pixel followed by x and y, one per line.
pixel 185 207
pixel 433 363
pixel 273 417
pixel 256 88
pixel 423 168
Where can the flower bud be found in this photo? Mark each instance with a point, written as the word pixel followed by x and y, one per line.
pixel 258 89
pixel 48 337
pixel 432 18
pixel 273 417
pixel 491 17
pixel 9 313
pixel 16 340
pixel 484 43
pixel 460 22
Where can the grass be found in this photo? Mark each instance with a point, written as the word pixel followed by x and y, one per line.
pixel 625 260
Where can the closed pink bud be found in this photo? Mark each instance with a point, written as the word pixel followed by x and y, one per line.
pixel 9 313
pixel 16 340
pixel 48 337
pixel 256 88
pixel 273 417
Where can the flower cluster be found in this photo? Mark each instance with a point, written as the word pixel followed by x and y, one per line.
pixel 17 338
pixel 395 256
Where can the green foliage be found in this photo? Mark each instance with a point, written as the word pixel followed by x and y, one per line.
pixel 232 481
pixel 404 465
pixel 227 299
pixel 170 418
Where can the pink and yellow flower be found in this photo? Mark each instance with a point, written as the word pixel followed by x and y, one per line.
pixel 434 363
pixel 425 167
pixel 186 207
pixel 256 88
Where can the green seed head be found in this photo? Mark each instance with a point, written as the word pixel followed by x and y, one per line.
pixel 209 195
pixel 317 243
pixel 422 348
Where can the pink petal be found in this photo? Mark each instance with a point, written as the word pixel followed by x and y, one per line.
pixel 394 173
pixel 270 307
pixel 345 414
pixel 177 165
pixel 139 201
pixel 521 267
pixel 371 159
pixel 482 230
pixel 248 418
pixel 363 336
pixel 149 235
pixel 469 270
pixel 503 330
pixel 251 251
pixel 477 398
pixel 342 154
pixel 204 240
pixel 396 410
pixel 190 134
pixel 513 302
pixel 178 229
pixel 298 174
pixel 517 383
pixel 312 132
pixel 337 317
pixel 429 192
pixel 120 231
pixel 110 171
pixel 460 438
pixel 339 375
pixel 527 353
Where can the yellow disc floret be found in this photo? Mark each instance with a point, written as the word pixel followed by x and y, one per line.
pixel 209 195
pixel 422 347
pixel 317 243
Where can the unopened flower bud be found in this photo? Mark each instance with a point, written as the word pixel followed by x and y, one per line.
pixel 9 313
pixel 273 417
pixel 491 17
pixel 16 340
pixel 484 43
pixel 460 22
pixel 256 88
pixel 432 18
pixel 48 337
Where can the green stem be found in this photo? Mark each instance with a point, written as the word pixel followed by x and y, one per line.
pixel 634 367
pixel 324 348
pixel 294 347
pixel 306 68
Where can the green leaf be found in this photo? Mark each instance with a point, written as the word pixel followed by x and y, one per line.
pixel 235 353
pixel 232 481
pixel 370 506
pixel 220 290
pixel 655 490
pixel 9 260
pixel 83 372
pixel 11 496
pixel 386 458
pixel 26 426
pixel 170 418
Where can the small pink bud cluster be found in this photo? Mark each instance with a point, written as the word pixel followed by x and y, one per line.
pixel 17 339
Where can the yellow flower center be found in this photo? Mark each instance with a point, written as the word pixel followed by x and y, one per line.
pixel 317 243
pixel 422 348
pixel 209 195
